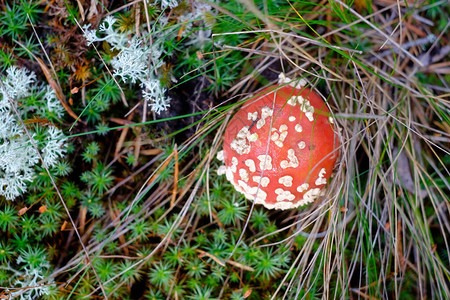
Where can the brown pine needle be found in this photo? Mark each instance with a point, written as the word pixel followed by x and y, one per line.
pixel 123 134
pixel 175 177
pixel 56 88
pixel 151 152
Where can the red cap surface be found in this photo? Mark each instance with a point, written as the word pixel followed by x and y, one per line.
pixel 293 126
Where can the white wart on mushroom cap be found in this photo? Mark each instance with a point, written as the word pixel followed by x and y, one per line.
pixel 280 148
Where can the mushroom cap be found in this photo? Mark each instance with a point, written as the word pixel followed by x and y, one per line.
pixel 293 126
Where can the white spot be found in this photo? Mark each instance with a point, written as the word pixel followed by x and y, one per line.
pixel 265 162
pixel 230 176
pixel 321 180
pixel 306 107
pixel 293 161
pixel 300 84
pixel 250 164
pixel 279 138
pixel 302 188
pixel 260 123
pixel 291 118
pixel 292 101
pixel 322 172
pixel 264 181
pixel 252 116
pixel 283 79
pixel 298 128
pixel 220 156
pixel 251 193
pixel 286 180
pixel 239 144
pixel 252 137
pixel 292 157
pixel 266 112
pixel 243 174
pixel 311 195
pixel 302 145
pixel 274 136
pixel 331 120
pixel 242 185
pixel 234 162
pixel 221 170
pixel 284 195
pixel 257 195
pixel 283 205
pixel 297 84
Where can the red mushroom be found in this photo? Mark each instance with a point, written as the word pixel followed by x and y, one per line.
pixel 293 126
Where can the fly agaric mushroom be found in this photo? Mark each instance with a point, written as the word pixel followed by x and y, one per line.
pixel 280 149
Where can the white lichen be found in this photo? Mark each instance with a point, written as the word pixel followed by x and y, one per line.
pixel 18 155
